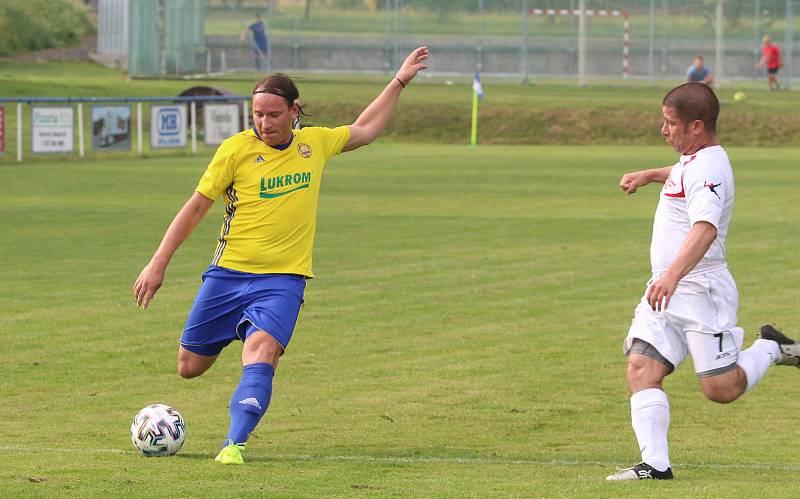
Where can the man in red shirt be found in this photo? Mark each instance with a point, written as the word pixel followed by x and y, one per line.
pixel 771 58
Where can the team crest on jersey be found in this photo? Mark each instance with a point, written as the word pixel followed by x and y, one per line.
pixel 304 149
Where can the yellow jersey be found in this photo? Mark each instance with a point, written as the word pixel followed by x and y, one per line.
pixel 271 197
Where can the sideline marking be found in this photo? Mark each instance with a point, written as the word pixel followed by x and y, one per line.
pixel 430 460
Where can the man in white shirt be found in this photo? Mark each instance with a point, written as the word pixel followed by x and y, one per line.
pixel 690 304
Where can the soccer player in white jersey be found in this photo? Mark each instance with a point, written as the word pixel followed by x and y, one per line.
pixel 690 303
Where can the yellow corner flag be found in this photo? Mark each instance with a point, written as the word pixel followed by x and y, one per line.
pixel 477 93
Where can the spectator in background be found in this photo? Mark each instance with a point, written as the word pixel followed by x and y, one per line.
pixel 259 40
pixel 771 58
pixel 698 72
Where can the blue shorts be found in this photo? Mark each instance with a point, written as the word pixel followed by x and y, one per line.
pixel 232 305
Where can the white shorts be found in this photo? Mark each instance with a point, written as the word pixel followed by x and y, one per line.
pixel 700 320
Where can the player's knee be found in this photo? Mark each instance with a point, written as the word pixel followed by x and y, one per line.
pixel 724 388
pixel 261 347
pixel 720 394
pixel 191 365
pixel 635 370
pixel 644 371
pixel 187 370
pixel 721 390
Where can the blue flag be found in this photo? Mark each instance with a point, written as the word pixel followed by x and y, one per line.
pixel 476 85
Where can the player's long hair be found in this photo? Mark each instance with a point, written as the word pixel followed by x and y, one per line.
pixel 694 101
pixel 283 86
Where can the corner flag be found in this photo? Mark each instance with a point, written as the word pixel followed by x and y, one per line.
pixel 477 93
pixel 476 85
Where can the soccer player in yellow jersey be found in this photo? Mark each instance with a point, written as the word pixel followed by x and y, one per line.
pixel 269 178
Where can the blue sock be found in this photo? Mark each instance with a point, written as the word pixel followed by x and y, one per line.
pixel 250 401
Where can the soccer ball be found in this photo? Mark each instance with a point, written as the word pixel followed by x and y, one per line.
pixel 739 96
pixel 158 430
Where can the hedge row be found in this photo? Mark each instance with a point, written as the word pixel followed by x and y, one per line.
pixel 31 25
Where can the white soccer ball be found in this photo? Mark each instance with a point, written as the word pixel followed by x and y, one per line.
pixel 158 430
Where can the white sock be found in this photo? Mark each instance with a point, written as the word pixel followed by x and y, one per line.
pixel 650 419
pixel 756 360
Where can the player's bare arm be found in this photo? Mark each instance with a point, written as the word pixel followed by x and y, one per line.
pixel 152 276
pixel 696 244
pixel 372 120
pixel 630 182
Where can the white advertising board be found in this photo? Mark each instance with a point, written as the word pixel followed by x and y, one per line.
pixel 168 126
pixel 220 122
pixel 52 129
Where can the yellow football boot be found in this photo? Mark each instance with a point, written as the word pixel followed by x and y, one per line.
pixel 231 454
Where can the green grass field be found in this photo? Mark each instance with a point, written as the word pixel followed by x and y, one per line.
pixel 462 338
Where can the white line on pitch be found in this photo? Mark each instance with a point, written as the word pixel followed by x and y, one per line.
pixel 429 459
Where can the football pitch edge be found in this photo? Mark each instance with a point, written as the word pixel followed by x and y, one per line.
pixel 104 472
pixel 421 459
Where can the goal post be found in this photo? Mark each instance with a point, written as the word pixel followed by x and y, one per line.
pixel 581 45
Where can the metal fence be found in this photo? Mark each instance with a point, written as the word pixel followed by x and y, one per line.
pixel 524 38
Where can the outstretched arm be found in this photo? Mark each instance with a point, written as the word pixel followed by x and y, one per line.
pixel 244 33
pixel 371 121
pixel 632 181
pixel 152 276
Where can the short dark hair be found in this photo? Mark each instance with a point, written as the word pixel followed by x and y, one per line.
pixel 694 101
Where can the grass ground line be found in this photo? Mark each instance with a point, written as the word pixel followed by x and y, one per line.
pixel 427 460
